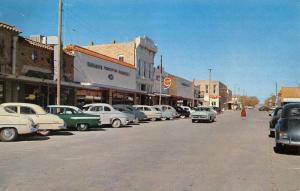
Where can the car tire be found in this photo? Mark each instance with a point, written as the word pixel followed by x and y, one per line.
pixel 8 134
pixel 116 123
pixel 210 119
pixel 82 127
pixel 182 116
pixel 279 148
pixel 44 132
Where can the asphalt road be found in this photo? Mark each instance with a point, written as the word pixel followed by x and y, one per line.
pixel 230 154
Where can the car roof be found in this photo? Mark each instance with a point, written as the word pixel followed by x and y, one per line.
pixel 37 108
pixel 64 106
pixel 96 104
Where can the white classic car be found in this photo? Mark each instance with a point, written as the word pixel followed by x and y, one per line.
pixel 12 125
pixel 46 122
pixel 108 115
pixel 149 111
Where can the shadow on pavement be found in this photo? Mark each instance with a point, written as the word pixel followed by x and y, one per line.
pixel 32 138
pixel 61 133
pixel 96 129
pixel 288 151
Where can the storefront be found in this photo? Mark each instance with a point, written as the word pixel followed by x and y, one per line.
pixel 114 80
pixel 34 90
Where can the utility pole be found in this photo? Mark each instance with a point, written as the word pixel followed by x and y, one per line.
pixel 160 79
pixel 276 93
pixel 209 84
pixel 59 52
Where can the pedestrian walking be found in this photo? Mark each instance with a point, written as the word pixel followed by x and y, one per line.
pixel 243 113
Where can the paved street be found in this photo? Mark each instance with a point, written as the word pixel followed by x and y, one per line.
pixel 230 154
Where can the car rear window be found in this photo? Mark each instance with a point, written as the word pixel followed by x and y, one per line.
pixel 11 109
pixel 294 112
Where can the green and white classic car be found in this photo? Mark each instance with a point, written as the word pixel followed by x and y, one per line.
pixel 74 117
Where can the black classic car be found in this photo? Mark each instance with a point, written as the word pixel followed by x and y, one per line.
pixel 287 130
pixel 181 112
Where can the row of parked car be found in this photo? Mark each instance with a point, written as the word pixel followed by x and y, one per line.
pixel 285 126
pixel 25 118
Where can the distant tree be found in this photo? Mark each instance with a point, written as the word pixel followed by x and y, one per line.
pixel 271 101
pixel 249 100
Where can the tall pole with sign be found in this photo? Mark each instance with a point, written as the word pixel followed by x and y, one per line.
pixel 160 79
pixel 59 52
pixel 209 84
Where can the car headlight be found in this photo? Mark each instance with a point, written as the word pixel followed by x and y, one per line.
pixel 283 135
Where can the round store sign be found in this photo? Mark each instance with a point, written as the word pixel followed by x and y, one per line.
pixel 167 82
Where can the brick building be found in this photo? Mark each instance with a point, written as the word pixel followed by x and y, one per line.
pixel 215 93
pixel 27 70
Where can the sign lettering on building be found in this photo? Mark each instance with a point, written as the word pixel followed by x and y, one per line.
pixel 100 67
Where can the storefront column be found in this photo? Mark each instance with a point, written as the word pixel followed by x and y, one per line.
pixel 134 99
pixel 110 96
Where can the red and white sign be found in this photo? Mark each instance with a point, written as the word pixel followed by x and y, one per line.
pixel 167 82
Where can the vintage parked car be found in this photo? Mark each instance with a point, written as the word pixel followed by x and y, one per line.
pixel 109 116
pixel 13 124
pixel 188 109
pixel 139 116
pixel 203 114
pixel 287 129
pixel 182 113
pixel 264 108
pixel 129 114
pixel 165 113
pixel 74 117
pixel 150 112
pixel 46 122
pixel 275 117
pixel 168 108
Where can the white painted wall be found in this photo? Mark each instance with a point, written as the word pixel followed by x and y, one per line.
pixel 94 70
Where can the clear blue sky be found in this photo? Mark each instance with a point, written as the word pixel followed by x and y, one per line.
pixel 249 44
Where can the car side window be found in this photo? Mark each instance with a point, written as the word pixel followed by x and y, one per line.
pixel 147 109
pixel 56 110
pixel 139 108
pixel 97 108
pixel 27 110
pixel 69 111
pixel 107 108
pixel 11 109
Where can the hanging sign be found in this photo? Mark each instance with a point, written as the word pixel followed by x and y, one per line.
pixel 167 82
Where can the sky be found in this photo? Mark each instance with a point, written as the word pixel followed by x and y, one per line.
pixel 249 44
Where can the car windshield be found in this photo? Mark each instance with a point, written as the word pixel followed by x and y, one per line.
pixel 202 109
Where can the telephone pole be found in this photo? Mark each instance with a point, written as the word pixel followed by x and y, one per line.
pixel 59 52
pixel 209 84
pixel 276 93
pixel 160 79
